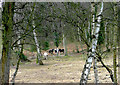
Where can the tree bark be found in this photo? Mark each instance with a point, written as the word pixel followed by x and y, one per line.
pixel 106 35
pixel 36 41
pixel 115 65
pixel 18 63
pixel 80 39
pixel 38 49
pixel 95 60
pixel 0 29
pixel 91 54
pixel 118 39
pixel 0 37
pixel 64 45
pixel 8 11
pixel 20 49
pixel 114 46
pixel 95 70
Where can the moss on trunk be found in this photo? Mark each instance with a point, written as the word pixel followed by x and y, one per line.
pixel 7 19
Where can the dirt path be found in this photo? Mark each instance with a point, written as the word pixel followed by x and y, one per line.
pixel 58 70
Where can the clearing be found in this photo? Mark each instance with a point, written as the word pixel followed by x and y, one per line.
pixel 60 69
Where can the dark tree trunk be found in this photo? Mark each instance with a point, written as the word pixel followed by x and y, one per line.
pixel 7 19
pixel 118 36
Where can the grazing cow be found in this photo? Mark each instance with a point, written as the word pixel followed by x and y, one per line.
pixel 51 51
pixel 45 55
pixel 56 50
pixel 61 50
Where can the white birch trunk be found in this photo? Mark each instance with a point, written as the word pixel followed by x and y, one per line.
pixel 57 51
pixel 37 46
pixel 64 43
pixel 91 54
pixel 36 42
pixel 64 39
pixel 95 60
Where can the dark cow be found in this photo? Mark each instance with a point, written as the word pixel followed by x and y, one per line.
pixel 56 50
pixel 51 51
pixel 61 50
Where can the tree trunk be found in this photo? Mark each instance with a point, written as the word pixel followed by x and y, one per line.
pixel 57 51
pixel 89 31
pixel 20 49
pixel 95 70
pixel 8 11
pixel 64 38
pixel 64 42
pixel 118 39
pixel 115 66
pixel 36 41
pixel 1 30
pixel 80 39
pixel 91 54
pixel 64 45
pixel 95 60
pixel 18 62
pixel 0 37
pixel 38 48
pixel 106 35
pixel 114 46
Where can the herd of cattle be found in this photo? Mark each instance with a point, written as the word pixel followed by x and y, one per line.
pixel 51 51
pixel 56 50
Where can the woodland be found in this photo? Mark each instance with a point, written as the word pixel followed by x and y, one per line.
pixel 60 42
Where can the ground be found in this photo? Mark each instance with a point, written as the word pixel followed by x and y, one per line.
pixel 62 69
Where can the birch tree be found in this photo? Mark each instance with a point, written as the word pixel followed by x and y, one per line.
pixel 38 48
pixel 64 38
pixel 93 45
pixel 36 42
